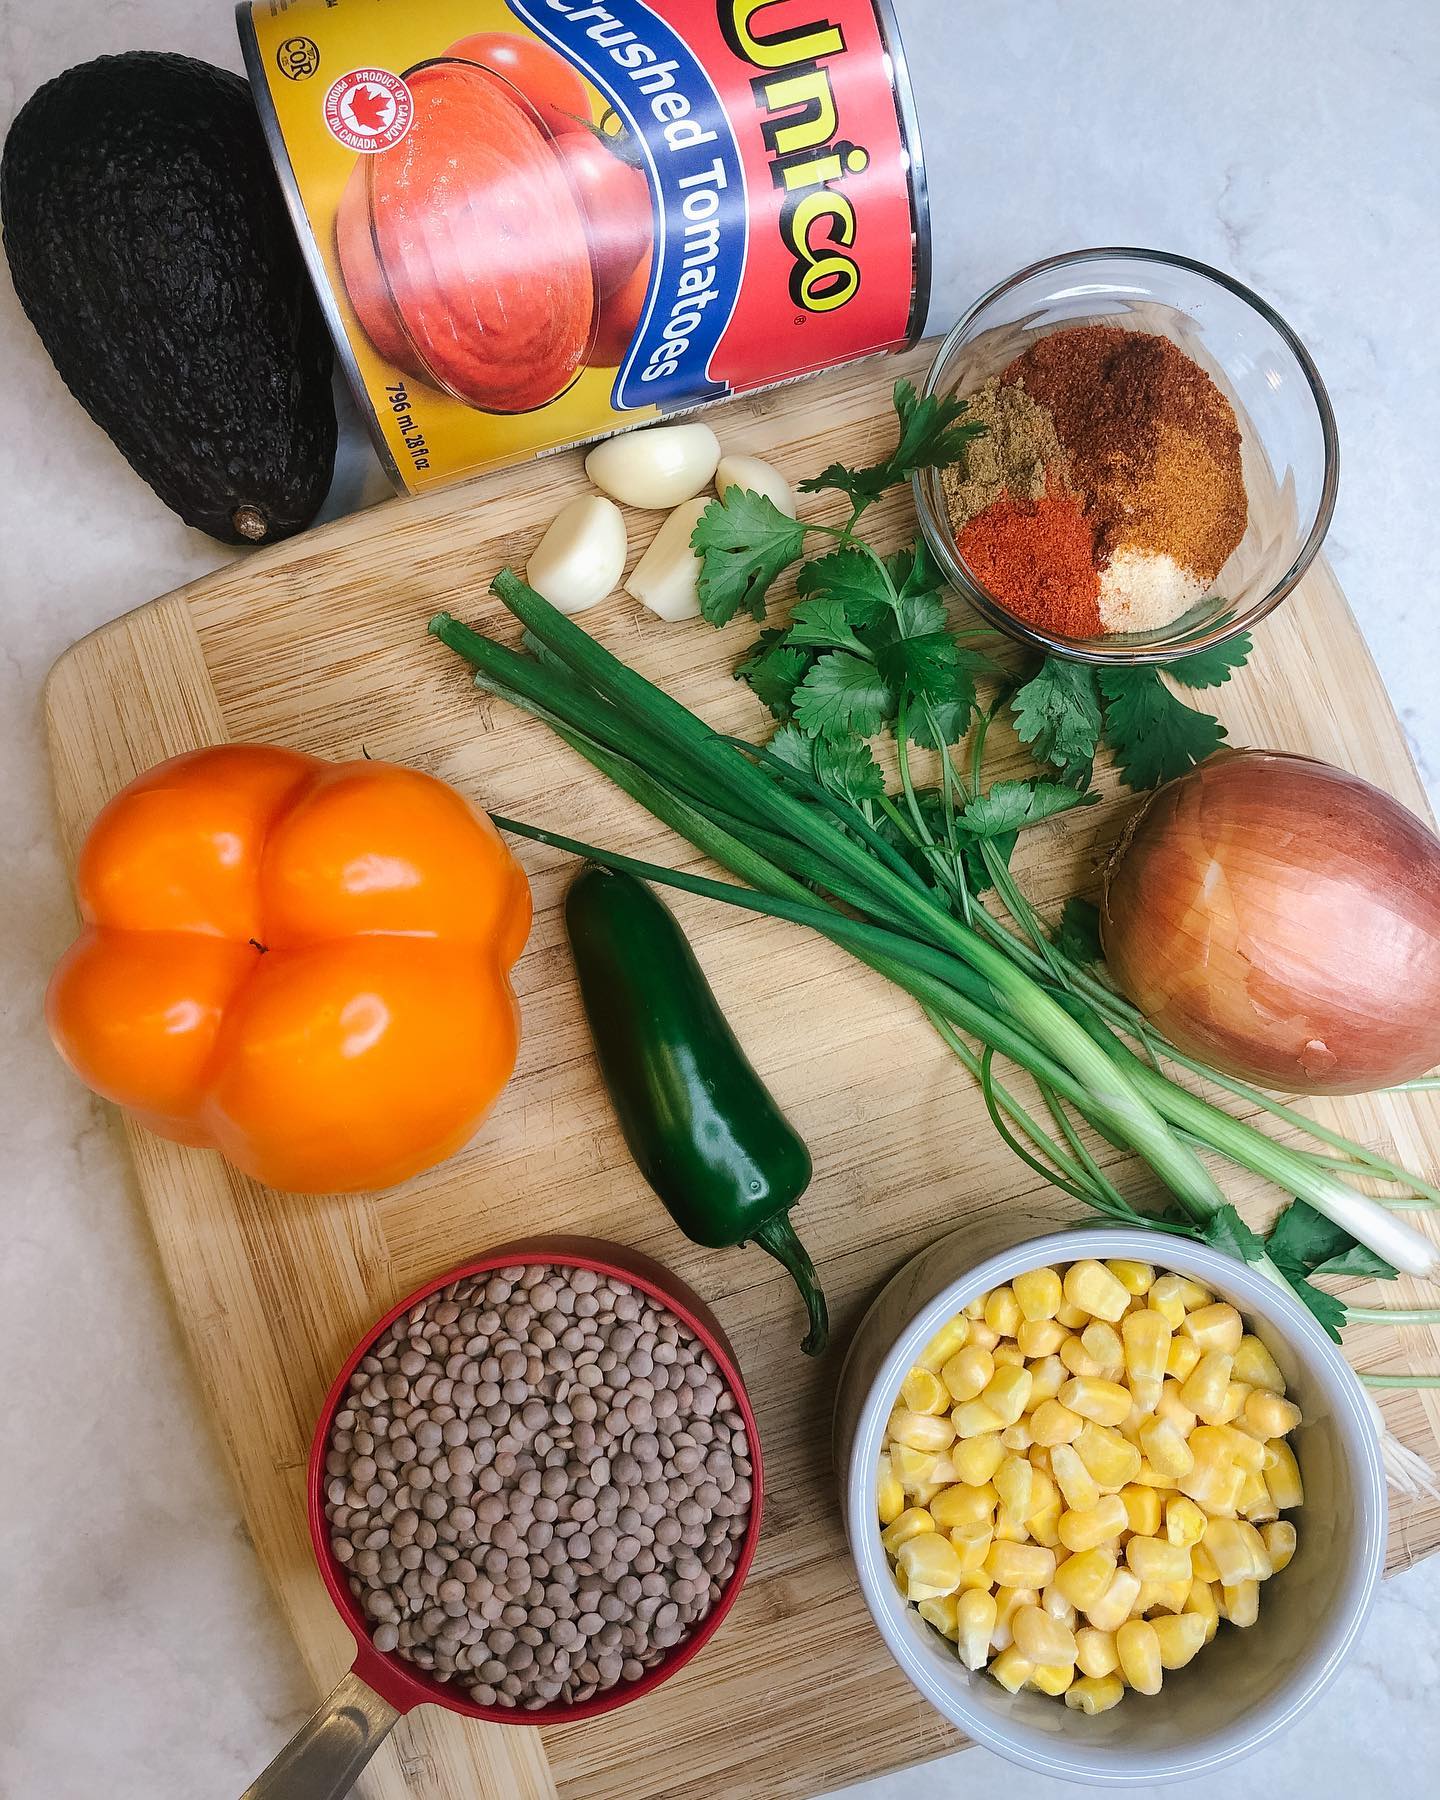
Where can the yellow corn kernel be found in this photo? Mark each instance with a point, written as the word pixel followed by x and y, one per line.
pixel 1007 1352
pixel 1240 1602
pixel 1213 1486
pixel 1058 1607
pixel 1162 1596
pixel 1269 1415
pixel 1142 1509
pixel 1040 1638
pixel 921 1431
pixel 1279 1538
pixel 1102 1402
pixel 1008 1601
pixel 1095 1652
pixel 971 1542
pixel 1038 1293
pixel 1074 1480
pixel 1073 1318
pixel 1040 1337
pixel 1039 1457
pixel 889 1495
pixel 1166 1451
pixel 953 1335
pixel 942 1613
pixel 1157 1559
pixel 1254 1502
pixel 963 1505
pixel 1013 1482
pixel 1184 1521
pixel 1135 1277
pixel 1147 1475
pixel 1010 1530
pixel 931 1566
pixel 973 1418
pixel 1020 1565
pixel 1103 1343
pixel 1138 1648
pixel 1181 1357
pixel 913 1468
pixel 1203 1604
pixel 1077 1359
pixel 1052 1678
pixel 1043 1491
pixel 1085 1577
pixel 974 1621
pixel 1260 1565
pixel 1002 1311
pixel 1011 1669
pixel 1202 1562
pixel 967 1372
pixel 1018 1437
pixel 1044 1526
pixel 1111 1461
pixel 1173 1409
pixel 1231 1550
pixel 1007 1393
pixel 926 1492
pixel 1145 1339
pixel 913 1522
pixel 1052 1422
pixel 1084 1528
pixel 1093 1694
pixel 1047 1376
pixel 983 1336
pixel 1247 1452
pixel 1164 1298
pixel 1217 1326
pixel 924 1392
pixel 975 1309
pixel 974 1578
pixel 1090 1285
pixel 1255 1364
pixel 1112 1609
pixel 1181 1637
pixel 1203 1390
pixel 977 1458
pixel 1236 1393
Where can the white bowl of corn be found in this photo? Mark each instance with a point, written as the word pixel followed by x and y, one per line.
pixel 1118 1519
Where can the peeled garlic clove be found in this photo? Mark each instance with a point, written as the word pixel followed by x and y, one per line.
pixel 582 556
pixel 667 576
pixel 753 476
pixel 656 469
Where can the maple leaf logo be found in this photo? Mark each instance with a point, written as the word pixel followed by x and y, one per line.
pixel 370 108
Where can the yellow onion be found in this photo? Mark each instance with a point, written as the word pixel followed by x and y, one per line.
pixel 1280 919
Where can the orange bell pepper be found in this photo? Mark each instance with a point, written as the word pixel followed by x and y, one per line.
pixel 301 964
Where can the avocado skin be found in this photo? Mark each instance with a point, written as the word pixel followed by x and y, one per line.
pixel 150 247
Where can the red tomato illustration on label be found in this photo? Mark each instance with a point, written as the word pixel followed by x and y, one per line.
pixel 615 198
pixel 620 317
pixel 482 242
pixel 364 279
pixel 543 76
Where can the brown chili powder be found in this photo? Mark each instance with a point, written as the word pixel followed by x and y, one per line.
pixel 1019 450
pixel 1152 442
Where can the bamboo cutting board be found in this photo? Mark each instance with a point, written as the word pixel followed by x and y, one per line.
pixel 320 644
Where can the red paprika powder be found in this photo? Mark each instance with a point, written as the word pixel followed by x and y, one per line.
pixel 1037 557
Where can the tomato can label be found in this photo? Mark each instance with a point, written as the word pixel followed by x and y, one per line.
pixel 533 222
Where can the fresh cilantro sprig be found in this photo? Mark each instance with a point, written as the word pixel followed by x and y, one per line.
pixel 933 435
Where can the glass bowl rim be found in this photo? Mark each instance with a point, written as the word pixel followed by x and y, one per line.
pixel 1094 650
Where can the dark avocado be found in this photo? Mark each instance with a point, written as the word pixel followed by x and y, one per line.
pixel 150 246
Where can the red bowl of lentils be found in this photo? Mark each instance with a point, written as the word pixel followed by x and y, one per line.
pixel 535 1487
pixel 1158 465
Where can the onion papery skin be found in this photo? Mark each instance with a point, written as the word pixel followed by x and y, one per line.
pixel 1279 919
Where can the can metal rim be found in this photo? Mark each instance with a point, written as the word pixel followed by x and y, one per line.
pixel 904 90
pixel 309 246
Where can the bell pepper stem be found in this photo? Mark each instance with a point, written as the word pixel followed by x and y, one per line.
pixel 777 1235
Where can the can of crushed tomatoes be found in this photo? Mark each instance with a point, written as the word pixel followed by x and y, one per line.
pixel 534 222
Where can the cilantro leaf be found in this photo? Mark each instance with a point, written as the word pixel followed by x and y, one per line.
pixel 822 623
pixel 1329 1311
pixel 1227 1232
pixel 1304 1242
pixel 851 576
pixel 843 696
pixel 914 570
pixel 1057 712
pixel 1010 806
pixel 850 770
pixel 773 670
pixel 931 437
pixel 746 543
pixel 1213 667
pixel 1078 933
pixel 1155 737
pixel 793 746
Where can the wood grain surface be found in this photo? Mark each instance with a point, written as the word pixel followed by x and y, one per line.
pixel 320 644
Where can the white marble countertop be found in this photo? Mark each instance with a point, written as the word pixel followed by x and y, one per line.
pixel 1296 145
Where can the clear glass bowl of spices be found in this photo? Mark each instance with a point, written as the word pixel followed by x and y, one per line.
pixel 1159 464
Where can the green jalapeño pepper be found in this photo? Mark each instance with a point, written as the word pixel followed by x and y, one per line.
pixel 703 1128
